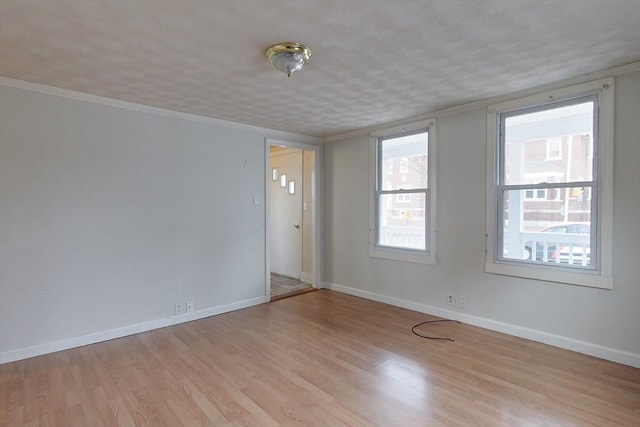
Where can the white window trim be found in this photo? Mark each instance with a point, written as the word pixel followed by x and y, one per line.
pixel 399 254
pixel 602 276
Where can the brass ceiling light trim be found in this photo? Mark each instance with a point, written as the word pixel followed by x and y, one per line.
pixel 288 57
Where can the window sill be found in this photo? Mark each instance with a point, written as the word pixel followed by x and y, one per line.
pixel 405 255
pixel 593 279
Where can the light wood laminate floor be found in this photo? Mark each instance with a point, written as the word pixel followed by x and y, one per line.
pixel 318 359
pixel 284 287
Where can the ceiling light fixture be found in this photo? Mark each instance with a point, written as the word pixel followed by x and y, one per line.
pixel 288 57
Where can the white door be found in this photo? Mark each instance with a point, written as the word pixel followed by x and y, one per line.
pixel 286 213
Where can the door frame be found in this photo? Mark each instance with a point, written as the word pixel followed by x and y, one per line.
pixel 316 206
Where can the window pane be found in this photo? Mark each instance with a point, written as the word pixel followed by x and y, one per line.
pixel 402 223
pixel 404 162
pixel 554 145
pixel 556 231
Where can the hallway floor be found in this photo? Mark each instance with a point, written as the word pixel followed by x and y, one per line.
pixel 283 287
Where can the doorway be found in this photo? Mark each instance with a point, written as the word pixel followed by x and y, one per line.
pixel 292 226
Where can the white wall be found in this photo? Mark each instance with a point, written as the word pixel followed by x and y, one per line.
pixel 108 216
pixel 604 322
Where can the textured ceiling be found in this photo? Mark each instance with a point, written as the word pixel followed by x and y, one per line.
pixel 374 61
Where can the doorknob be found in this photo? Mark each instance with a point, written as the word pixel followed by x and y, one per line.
pixel 297 226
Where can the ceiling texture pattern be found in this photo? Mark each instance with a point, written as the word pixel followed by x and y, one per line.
pixel 374 61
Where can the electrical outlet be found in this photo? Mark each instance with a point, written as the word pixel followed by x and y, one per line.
pixel 189 306
pixel 178 309
pixel 451 299
pixel 462 303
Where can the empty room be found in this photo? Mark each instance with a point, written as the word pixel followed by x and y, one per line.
pixel 319 213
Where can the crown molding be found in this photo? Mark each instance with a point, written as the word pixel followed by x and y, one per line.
pixel 96 99
pixel 483 103
pixel 67 93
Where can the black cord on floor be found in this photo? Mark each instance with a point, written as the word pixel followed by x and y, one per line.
pixel 433 321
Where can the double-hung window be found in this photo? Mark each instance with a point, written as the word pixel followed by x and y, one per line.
pixel 544 151
pixel 403 199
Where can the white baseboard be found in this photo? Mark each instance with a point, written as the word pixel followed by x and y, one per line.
pixel 618 356
pixel 65 344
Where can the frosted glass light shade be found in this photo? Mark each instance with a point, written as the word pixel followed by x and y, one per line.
pixel 288 57
pixel 288 62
